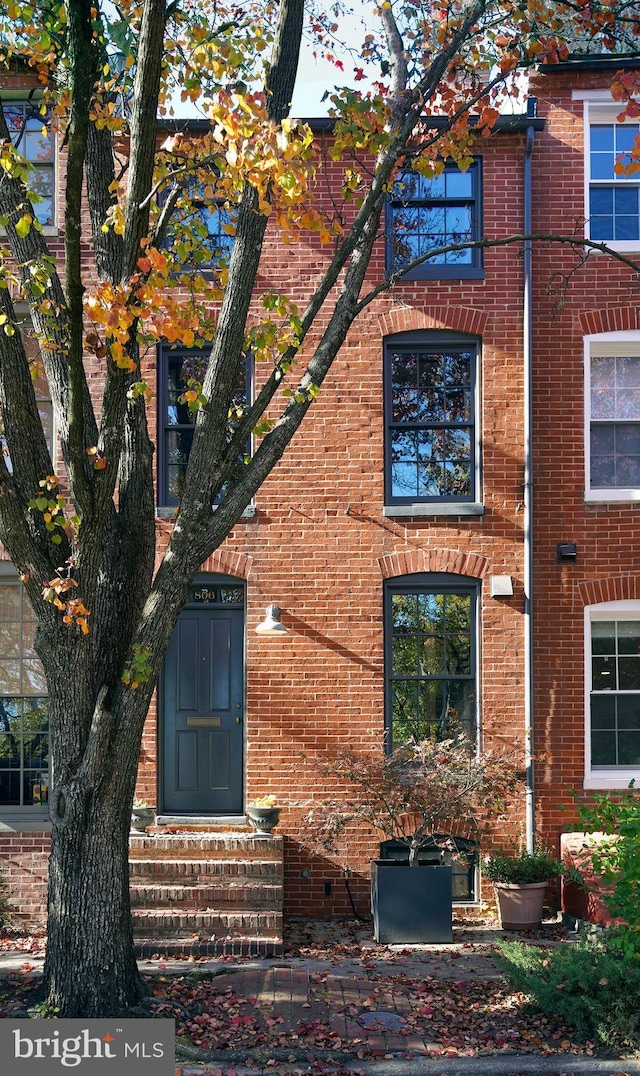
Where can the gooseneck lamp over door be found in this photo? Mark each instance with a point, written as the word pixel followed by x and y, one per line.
pixel 272 625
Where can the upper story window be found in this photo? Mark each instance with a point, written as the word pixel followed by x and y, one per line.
pixel 430 657
pixel 431 423
pixel 31 134
pixel 613 197
pixel 613 694
pixel 201 231
pixel 425 214
pixel 24 728
pixel 612 419
pixel 177 422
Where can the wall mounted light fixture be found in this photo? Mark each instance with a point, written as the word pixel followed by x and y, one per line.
pixel 566 551
pixel 501 586
pixel 272 625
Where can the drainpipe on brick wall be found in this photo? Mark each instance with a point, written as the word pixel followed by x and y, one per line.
pixel 528 487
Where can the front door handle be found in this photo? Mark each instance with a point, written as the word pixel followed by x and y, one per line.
pixel 238 720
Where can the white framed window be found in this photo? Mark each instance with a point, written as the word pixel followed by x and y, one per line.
pixel 612 198
pixel 612 694
pixel 612 417
pixel 31 132
pixel 24 720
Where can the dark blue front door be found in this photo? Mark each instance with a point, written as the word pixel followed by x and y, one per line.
pixel 203 711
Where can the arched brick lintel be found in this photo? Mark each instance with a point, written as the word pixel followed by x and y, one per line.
pixel 226 562
pixel 462 319
pixel 610 589
pixel 451 561
pixel 612 320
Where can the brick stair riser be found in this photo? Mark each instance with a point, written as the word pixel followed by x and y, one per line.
pixel 152 948
pixel 221 893
pixel 207 896
pixel 230 873
pixel 189 848
pixel 154 924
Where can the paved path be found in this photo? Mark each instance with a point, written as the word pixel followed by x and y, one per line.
pixel 372 1014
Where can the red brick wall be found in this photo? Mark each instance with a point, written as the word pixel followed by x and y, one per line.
pixel 602 296
pixel 24 859
pixel 321 548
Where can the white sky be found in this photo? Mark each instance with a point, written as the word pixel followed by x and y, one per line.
pixel 316 75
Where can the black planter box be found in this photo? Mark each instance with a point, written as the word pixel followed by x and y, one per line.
pixel 411 905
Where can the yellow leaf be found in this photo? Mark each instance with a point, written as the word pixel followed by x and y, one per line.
pixel 23 227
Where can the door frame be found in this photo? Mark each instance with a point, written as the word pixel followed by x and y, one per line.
pixel 204 579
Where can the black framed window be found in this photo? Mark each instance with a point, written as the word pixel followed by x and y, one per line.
pixel 201 232
pixel 430 658
pixel 424 214
pixel 430 404
pixel 177 369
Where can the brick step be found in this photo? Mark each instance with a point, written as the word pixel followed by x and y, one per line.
pixel 258 895
pixel 186 947
pixel 229 872
pixel 188 846
pixel 207 925
pixel 206 893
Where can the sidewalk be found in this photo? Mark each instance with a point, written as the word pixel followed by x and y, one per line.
pixel 339 1004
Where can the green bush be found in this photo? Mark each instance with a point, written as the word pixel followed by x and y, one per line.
pixel 589 985
pixel 617 861
pixel 521 869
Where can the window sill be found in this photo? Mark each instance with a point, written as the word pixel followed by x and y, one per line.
pixel 402 511
pixel 632 246
pixel 609 780
pixel 47 229
pixel 169 512
pixel 470 272
pixel 612 496
pixel 13 822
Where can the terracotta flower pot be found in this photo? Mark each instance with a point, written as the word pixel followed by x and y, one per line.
pixel 520 906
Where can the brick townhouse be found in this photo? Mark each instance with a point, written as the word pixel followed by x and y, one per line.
pixel 473 460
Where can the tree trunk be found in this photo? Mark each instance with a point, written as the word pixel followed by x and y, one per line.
pixel 90 966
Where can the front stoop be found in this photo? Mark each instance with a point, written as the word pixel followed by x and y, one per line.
pixel 206 894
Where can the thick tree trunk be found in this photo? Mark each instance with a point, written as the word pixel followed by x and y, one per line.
pixel 90 967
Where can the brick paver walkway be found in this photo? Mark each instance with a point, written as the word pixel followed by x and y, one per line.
pixel 298 1007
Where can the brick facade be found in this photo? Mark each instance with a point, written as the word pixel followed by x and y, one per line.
pixel 24 859
pixel 321 547
pixel 601 298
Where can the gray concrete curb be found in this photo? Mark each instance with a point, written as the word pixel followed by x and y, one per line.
pixel 509 1065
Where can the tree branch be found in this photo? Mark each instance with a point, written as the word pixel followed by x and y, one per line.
pixel 488 244
pixel 227 352
pixel 82 58
pixel 50 318
pixel 143 128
